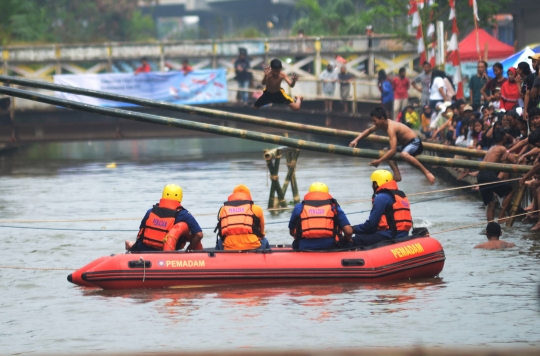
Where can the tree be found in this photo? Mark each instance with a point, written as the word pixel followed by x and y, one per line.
pixel 331 18
pixel 350 17
pixel 394 12
pixel 66 21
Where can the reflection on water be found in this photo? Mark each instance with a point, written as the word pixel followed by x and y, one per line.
pixel 482 297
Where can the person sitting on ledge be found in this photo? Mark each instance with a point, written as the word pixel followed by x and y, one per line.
pixel 493 233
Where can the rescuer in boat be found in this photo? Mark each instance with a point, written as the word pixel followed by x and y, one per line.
pixel 317 221
pixel 168 226
pixel 241 223
pixel 390 216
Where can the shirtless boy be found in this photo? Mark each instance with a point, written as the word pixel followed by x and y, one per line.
pixel 496 154
pixel 410 144
pixel 493 232
pixel 274 93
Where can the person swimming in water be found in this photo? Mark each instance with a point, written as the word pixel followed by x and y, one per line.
pixel 274 93
pixel 493 233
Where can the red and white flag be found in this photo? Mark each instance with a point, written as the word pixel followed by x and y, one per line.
pixel 417 22
pixel 453 50
pixel 474 5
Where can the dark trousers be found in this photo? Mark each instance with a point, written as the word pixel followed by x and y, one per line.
pixel 368 239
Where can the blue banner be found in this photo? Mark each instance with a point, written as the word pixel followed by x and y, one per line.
pixel 197 87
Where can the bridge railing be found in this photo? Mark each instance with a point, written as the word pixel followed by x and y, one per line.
pixel 203 48
pixel 305 56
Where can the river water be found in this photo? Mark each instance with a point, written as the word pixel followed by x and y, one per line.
pixel 481 298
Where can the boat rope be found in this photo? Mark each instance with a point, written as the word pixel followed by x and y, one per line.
pixel 40 268
pixel 144 268
pixel 144 263
pixel 419 193
pixel 2 221
pixel 482 223
pixel 212 228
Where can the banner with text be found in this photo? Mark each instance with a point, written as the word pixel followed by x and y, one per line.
pixel 198 87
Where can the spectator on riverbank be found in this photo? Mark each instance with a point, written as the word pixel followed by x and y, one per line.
pixel 510 91
pixel 437 93
pixel 425 80
pixel 493 233
pixel 401 85
pixel 243 75
pixel 476 83
pixel 411 117
pixel 535 90
pixel 387 92
pixel 497 82
pixel 329 78
pixel 345 78
pixel 144 67
pixel 527 80
pixel 427 115
pixel 184 68
pixel 496 99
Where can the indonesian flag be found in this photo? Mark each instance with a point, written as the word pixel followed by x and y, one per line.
pixel 413 11
pixel 432 55
pixel 453 50
pixel 459 82
pixel 431 30
pixel 420 39
pixel 472 3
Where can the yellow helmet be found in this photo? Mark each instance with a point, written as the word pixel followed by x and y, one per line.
pixel 381 177
pixel 173 192
pixel 318 187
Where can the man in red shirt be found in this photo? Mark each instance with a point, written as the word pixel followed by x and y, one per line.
pixel 144 68
pixel 401 85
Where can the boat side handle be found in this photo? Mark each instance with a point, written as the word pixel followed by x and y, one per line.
pixel 139 264
pixel 352 262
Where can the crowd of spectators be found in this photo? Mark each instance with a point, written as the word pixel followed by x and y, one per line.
pixel 511 103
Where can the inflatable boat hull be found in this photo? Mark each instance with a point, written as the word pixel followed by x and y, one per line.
pixel 416 258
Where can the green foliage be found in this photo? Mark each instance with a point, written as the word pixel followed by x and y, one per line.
pixel 350 17
pixel 329 18
pixel 395 11
pixel 67 21
pixel 248 32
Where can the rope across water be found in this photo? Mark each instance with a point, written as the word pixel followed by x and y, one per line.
pixel 17 221
pixel 431 234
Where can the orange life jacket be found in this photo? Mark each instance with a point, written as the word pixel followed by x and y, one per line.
pixel 398 217
pixel 160 221
pixel 317 220
pixel 236 217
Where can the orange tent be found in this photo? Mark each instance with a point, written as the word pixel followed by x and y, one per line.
pixel 496 49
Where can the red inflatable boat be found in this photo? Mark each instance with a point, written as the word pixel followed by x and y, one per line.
pixel 416 258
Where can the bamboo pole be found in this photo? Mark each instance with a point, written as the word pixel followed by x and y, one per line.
pixel 291 165
pixel 515 205
pixel 230 116
pixel 272 203
pixel 294 184
pixel 258 136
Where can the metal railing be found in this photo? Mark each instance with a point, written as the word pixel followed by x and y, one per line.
pixel 202 48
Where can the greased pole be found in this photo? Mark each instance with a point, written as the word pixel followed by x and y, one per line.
pixel 257 136
pixel 193 110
